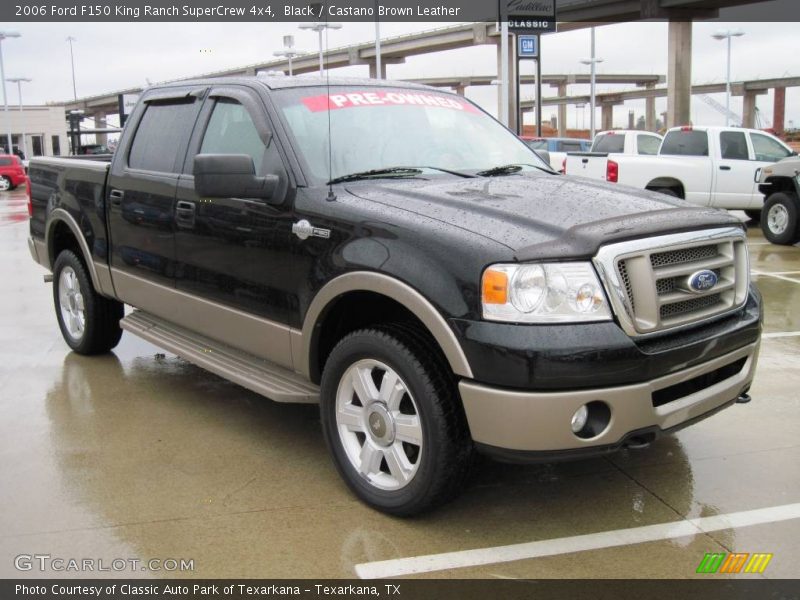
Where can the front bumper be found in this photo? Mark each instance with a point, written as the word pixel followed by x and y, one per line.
pixel 534 426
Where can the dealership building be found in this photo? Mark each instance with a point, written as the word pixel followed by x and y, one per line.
pixel 44 128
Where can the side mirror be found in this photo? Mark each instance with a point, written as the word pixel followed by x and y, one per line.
pixel 231 175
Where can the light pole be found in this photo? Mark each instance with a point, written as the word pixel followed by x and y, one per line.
pixel 71 39
pixel 3 36
pixel 288 51
pixel 727 35
pixel 593 63
pixel 378 66
pixel 319 28
pixel 18 81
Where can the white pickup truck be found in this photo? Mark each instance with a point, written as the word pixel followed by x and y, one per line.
pixel 709 166
pixel 616 141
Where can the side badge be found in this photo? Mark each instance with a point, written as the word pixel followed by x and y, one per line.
pixel 304 230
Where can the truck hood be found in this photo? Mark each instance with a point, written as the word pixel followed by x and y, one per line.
pixel 543 216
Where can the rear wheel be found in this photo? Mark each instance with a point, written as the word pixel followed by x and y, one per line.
pixel 5 183
pixel 393 421
pixel 88 321
pixel 667 192
pixel 779 219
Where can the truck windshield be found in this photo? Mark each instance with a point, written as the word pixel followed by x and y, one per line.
pixel 375 128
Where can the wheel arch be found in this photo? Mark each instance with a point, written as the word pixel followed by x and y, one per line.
pixel 64 233
pixel 667 182
pixel 390 292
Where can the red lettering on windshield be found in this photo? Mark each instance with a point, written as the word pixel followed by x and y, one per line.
pixel 383 98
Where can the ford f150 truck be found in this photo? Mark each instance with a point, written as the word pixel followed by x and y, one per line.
pixel 709 166
pixel 395 254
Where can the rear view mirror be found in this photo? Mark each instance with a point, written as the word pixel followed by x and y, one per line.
pixel 231 175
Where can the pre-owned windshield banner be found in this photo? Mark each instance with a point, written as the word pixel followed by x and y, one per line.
pixel 536 15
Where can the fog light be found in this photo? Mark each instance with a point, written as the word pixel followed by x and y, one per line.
pixel 579 419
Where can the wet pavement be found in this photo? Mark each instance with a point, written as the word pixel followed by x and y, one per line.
pixel 139 454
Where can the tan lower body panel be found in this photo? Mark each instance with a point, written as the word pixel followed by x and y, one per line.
pixel 532 421
pixel 256 336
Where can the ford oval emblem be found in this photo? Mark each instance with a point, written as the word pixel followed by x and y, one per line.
pixel 702 280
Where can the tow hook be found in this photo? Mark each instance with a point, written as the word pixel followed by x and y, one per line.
pixel 743 399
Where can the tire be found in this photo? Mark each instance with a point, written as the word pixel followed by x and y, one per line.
pixel 5 184
pixel 753 215
pixel 779 219
pixel 89 322
pixel 430 464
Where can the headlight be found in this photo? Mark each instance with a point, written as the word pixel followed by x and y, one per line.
pixel 543 293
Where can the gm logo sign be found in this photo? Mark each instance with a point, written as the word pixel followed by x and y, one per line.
pixel 528 46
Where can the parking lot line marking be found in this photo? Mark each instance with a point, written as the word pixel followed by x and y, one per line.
pixel 776 276
pixel 780 334
pixel 579 543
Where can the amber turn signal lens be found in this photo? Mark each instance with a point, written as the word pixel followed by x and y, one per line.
pixel 495 287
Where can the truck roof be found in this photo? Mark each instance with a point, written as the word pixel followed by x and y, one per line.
pixel 273 82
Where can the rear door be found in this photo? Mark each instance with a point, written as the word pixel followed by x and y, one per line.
pixel 694 168
pixel 734 174
pixel 141 188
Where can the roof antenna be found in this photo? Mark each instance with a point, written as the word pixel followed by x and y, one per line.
pixel 331 196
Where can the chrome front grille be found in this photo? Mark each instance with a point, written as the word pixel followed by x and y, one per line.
pixel 648 280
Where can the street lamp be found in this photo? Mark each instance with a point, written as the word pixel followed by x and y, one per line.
pixel 592 62
pixel 18 81
pixel 71 39
pixel 319 28
pixel 3 36
pixel 727 35
pixel 288 51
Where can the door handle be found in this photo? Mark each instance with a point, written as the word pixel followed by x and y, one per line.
pixel 116 197
pixel 724 168
pixel 185 208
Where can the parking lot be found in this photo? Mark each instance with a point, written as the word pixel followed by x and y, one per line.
pixel 138 454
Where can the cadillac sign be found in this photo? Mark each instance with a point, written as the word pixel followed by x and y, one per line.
pixel 530 16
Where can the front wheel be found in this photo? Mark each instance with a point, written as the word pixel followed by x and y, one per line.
pixel 393 421
pixel 88 321
pixel 779 219
pixel 5 184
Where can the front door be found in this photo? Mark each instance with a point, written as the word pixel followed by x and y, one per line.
pixel 235 252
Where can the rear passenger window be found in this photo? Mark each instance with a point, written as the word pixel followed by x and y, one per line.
pixel 647 144
pixel 5 162
pixel 231 131
pixel 161 136
pixel 685 143
pixel 733 145
pixel 611 143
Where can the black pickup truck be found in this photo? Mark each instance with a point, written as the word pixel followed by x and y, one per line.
pixel 395 254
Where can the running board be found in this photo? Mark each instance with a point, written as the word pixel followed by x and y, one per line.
pixel 260 376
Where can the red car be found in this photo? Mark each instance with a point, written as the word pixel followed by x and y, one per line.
pixel 12 173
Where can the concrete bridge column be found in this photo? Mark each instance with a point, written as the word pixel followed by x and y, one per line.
pixel 607 121
pixel 512 88
pixel 562 111
pixel 461 89
pixel 679 73
pixel 749 110
pixel 99 123
pixel 779 111
pixel 650 110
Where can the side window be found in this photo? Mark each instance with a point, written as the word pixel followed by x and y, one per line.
pixel 733 145
pixel 161 135
pixel 685 142
pixel 767 149
pixel 570 146
pixel 231 131
pixel 647 144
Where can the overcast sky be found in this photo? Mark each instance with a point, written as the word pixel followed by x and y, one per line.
pixel 111 56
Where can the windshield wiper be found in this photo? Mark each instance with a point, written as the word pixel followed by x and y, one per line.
pixel 448 171
pixel 388 172
pixel 509 170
